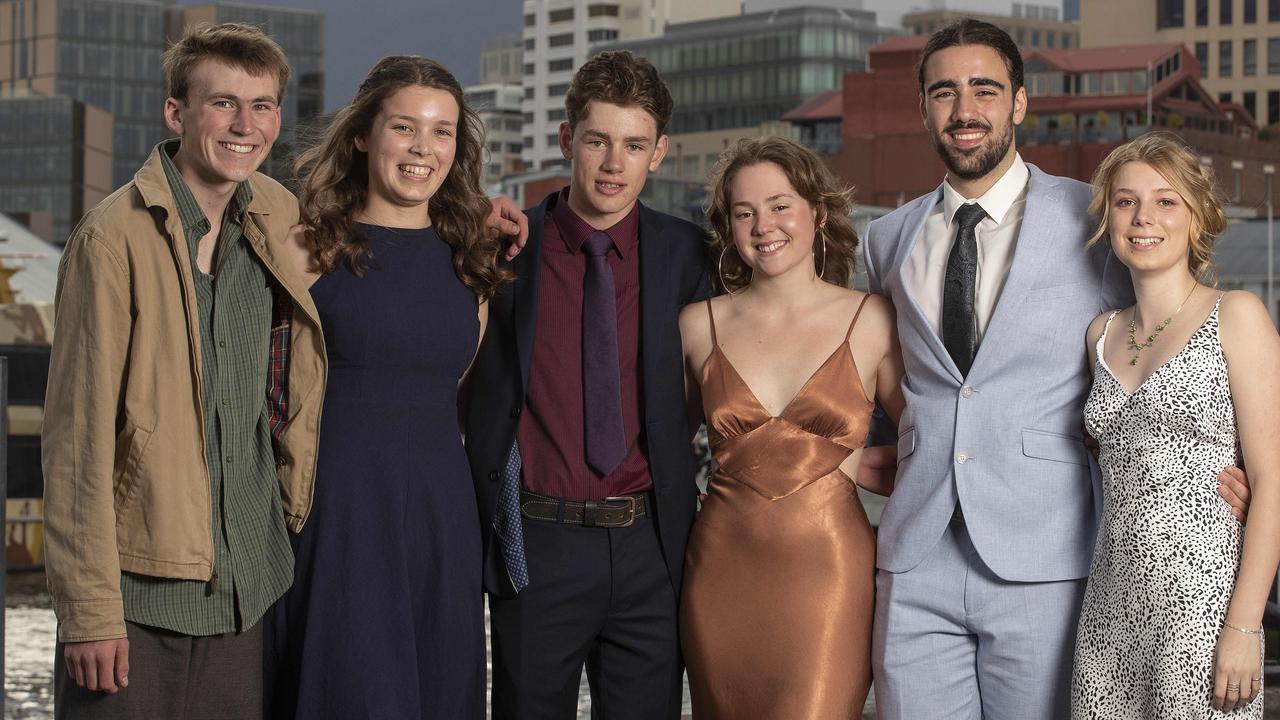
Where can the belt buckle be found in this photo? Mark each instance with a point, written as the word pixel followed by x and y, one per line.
pixel 629 509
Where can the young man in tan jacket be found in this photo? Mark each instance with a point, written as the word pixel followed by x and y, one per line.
pixel 172 477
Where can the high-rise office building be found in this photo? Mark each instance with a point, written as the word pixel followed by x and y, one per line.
pixel 559 35
pixel 501 60
pixel 55 159
pixel 106 55
pixel 737 76
pixel 499 109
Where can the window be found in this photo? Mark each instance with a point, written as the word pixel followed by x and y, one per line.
pixel 1249 58
pixel 526 142
pixel 556 115
pixel 1273 11
pixel 1112 83
pixel 1250 102
pixel 1050 39
pixel 1273 56
pixel 1091 84
pixel 1169 13
pixel 528 68
pixel 557 90
pixel 1202 13
pixel 528 93
pixel 560 15
pixel 1224 58
pixel 602 35
pixel 553 140
pixel 1273 106
pixel 1035 38
pixel 530 20
pixel 560 40
pixel 528 43
pixel 1202 57
pixel 1250 11
pixel 602 10
pixel 514 148
pixel 1224 97
pixel 527 118
pixel 1224 11
pixel 559 64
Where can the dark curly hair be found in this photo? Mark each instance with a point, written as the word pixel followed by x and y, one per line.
pixel 334 180
pixel 811 179
pixel 620 78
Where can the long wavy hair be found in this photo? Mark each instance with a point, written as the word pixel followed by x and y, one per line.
pixel 334 180
pixel 1168 155
pixel 812 180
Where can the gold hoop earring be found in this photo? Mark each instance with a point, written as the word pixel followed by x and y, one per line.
pixel 823 267
pixel 720 271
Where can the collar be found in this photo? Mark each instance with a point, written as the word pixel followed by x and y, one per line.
pixel 152 183
pixel 573 230
pixel 996 201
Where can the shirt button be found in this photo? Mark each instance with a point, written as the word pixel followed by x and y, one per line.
pixel 962 458
pixel 222 343
pixel 228 458
pixel 967 391
pixel 515 412
pixel 493 476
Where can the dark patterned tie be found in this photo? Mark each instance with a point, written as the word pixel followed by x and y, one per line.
pixel 601 385
pixel 508 522
pixel 959 321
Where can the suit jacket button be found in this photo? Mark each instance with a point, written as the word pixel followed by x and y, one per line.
pixel 493 476
pixel 515 412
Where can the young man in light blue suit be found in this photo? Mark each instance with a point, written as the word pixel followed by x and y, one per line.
pixel 986 542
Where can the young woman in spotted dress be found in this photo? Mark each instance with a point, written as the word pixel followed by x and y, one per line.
pixel 1185 381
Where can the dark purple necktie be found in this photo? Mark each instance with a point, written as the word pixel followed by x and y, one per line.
pixel 601 385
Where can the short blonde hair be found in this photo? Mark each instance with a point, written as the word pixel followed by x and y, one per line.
pixel 1168 155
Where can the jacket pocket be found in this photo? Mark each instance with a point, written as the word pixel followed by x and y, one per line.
pixel 1054 446
pixel 906 443
pixel 132 446
pixel 1053 292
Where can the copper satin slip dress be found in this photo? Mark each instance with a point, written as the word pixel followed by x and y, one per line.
pixel 779 584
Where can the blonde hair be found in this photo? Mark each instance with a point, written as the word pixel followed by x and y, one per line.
pixel 1177 164
pixel 812 181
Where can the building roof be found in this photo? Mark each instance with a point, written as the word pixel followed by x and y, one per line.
pixel 824 106
pixel 1125 57
pixel 902 43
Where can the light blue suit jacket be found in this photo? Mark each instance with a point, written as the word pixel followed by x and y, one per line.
pixel 1005 442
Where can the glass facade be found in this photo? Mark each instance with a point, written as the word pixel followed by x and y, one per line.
pixel 750 69
pixel 42 159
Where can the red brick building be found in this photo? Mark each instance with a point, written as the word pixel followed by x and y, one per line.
pixel 1083 104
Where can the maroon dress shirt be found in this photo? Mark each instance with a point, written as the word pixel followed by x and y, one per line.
pixel 552 433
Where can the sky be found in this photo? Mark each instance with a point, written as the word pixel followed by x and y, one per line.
pixel 360 32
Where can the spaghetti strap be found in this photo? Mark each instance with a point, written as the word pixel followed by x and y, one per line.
pixel 1097 348
pixel 849 333
pixel 712 317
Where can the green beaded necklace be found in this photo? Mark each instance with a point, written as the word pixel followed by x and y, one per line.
pixel 1138 347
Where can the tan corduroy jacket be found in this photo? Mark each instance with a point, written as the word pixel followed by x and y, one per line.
pixel 125 473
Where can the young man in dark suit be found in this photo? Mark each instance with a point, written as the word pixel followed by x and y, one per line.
pixel 576 429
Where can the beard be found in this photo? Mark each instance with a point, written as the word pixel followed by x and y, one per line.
pixel 976 162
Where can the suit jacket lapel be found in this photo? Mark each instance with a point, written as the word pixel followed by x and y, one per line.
pixel 656 306
pixel 914 229
pixel 1029 258
pixel 524 296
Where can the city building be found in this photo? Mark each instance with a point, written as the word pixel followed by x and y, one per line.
pixel 1237 42
pixel 55 161
pixel 890 12
pixel 737 76
pixel 1083 104
pixel 106 54
pixel 499 109
pixel 559 35
pixel 501 60
pixel 1031 26
pixel 300 34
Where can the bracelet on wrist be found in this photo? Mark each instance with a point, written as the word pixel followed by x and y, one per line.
pixel 1237 628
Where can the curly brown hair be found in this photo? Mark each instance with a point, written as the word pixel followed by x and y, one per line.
pixel 812 180
pixel 240 46
pixel 1168 155
pixel 619 78
pixel 334 180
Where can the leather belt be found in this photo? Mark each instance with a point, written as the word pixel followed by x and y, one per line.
pixel 611 512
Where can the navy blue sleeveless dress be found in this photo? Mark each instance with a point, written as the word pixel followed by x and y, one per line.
pixel 385 617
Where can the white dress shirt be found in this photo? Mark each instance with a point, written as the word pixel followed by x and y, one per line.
pixel 925 270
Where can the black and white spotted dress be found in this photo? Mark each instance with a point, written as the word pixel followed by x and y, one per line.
pixel 1168 548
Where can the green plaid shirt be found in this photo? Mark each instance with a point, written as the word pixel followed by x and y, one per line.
pixel 252 557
